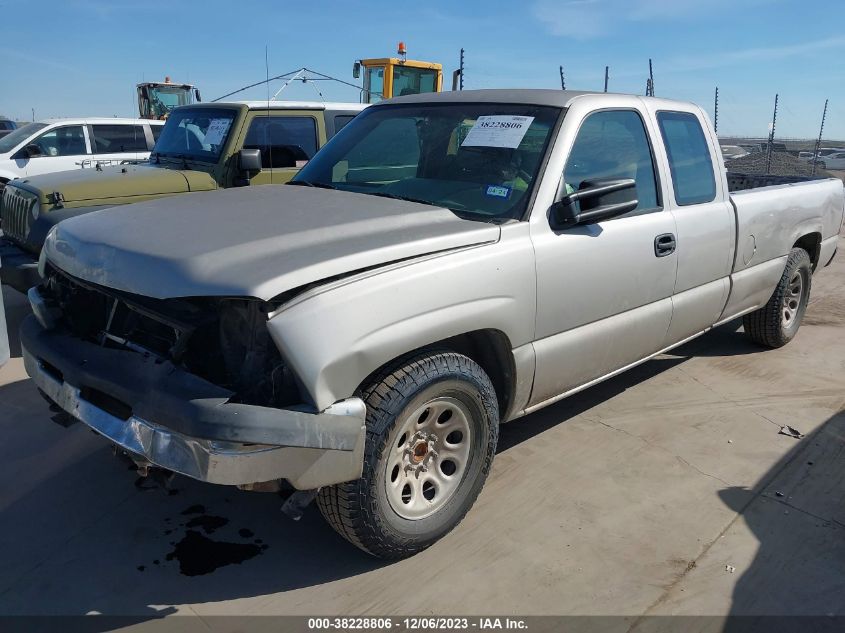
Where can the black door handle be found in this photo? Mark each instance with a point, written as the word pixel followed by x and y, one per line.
pixel 664 245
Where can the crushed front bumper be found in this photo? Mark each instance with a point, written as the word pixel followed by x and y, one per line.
pixel 183 423
pixel 20 267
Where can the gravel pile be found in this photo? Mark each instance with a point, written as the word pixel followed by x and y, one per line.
pixel 783 164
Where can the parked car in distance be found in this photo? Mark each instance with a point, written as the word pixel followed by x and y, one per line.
pixel 6 126
pixel 201 147
pixel 833 160
pixel 449 262
pixel 55 145
pixel 731 152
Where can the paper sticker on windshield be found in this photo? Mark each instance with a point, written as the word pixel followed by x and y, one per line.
pixel 498 191
pixel 500 130
pixel 216 131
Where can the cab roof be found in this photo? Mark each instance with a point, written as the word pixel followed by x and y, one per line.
pixel 97 121
pixel 525 96
pixel 299 105
pixel 558 98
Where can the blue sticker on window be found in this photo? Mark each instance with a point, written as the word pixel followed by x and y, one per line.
pixel 498 191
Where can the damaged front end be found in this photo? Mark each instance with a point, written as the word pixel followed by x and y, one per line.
pixel 195 386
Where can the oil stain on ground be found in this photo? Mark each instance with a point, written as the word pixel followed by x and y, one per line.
pixel 197 554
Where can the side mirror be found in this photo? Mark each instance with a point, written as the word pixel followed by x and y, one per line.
pixel 595 201
pixel 249 160
pixel 33 151
pixel 197 96
pixel 356 70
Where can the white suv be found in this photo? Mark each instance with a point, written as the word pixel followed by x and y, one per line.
pixel 63 144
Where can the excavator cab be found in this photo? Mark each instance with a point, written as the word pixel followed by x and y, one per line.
pixel 388 77
pixel 156 100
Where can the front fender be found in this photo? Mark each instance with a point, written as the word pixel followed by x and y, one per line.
pixel 335 336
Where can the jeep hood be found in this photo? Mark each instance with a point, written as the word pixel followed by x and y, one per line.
pixel 118 181
pixel 251 242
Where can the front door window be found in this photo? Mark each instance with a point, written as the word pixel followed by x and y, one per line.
pixel 63 141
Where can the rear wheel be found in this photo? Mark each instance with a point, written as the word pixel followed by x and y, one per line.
pixel 776 323
pixel 432 428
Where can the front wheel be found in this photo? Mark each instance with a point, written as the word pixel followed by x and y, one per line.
pixel 432 428
pixel 777 322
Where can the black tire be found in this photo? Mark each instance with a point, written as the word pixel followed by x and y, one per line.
pixel 769 326
pixel 361 510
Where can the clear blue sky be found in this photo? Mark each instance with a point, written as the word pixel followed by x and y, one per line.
pixel 83 57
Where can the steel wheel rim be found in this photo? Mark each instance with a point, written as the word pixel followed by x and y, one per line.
pixel 427 457
pixel 792 300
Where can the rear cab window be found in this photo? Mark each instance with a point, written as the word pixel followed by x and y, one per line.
pixel 693 180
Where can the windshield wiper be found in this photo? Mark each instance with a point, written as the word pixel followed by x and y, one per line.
pixel 394 196
pixel 381 194
pixel 308 183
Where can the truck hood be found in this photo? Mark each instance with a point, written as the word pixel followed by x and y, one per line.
pixel 251 242
pixel 118 181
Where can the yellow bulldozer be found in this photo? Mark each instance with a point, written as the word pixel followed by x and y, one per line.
pixel 387 77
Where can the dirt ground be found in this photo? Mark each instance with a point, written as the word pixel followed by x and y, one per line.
pixel 667 490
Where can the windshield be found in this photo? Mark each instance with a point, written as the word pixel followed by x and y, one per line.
pixel 196 134
pixel 480 159
pixel 13 139
pixel 413 81
pixel 164 98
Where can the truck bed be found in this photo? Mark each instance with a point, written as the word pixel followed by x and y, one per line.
pixel 738 181
pixel 770 220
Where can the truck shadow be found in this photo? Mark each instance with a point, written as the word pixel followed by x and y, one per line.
pixel 726 340
pixel 75 512
pixel 796 513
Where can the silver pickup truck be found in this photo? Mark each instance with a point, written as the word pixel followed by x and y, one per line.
pixel 446 263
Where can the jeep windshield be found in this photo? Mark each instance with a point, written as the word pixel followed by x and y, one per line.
pixel 474 158
pixel 194 134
